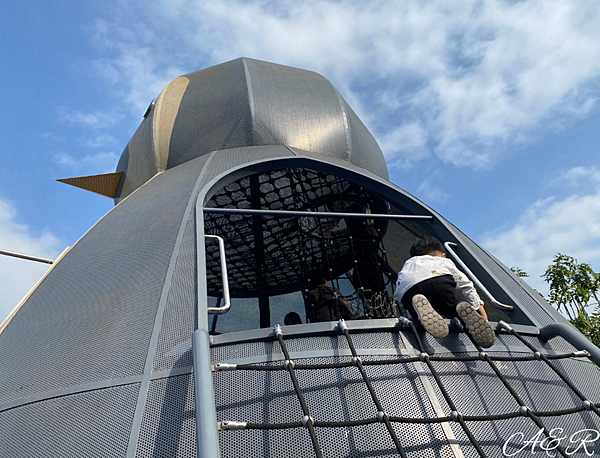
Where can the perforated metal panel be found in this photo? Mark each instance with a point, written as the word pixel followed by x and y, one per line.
pixel 331 395
pixel 174 344
pixel 518 290
pixel 92 318
pixel 340 394
pixel 213 114
pixel 476 390
pixel 169 424
pixel 363 145
pixel 296 108
pixel 91 424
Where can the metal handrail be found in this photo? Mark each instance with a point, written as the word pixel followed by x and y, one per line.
pixel 226 299
pixel 307 214
pixel 499 305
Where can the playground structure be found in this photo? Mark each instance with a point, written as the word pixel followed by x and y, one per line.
pixel 160 333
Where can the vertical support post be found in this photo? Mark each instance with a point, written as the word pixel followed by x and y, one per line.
pixel 259 251
pixel 207 445
pixel 207 439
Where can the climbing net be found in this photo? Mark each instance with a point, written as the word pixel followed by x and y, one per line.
pixel 275 255
pixel 310 423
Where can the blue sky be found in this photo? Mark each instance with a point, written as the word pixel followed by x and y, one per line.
pixel 486 110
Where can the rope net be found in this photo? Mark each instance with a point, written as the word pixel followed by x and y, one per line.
pixel 273 255
pixel 461 418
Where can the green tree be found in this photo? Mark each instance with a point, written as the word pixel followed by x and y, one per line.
pixel 520 272
pixel 574 287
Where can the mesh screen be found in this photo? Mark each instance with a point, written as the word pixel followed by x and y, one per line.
pixel 174 343
pixel 169 424
pixel 92 318
pixel 94 423
pixel 274 255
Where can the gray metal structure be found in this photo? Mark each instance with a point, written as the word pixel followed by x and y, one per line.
pixel 115 354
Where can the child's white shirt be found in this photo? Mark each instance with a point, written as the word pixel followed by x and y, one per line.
pixel 420 268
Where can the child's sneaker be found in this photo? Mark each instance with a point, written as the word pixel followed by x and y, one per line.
pixel 481 331
pixel 431 320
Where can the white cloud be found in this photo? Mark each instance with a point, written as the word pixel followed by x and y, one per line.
pixel 579 175
pixel 477 75
pixel 430 192
pixel 98 141
pixel 18 276
pixel 405 145
pixel 53 137
pixel 95 163
pixel 96 120
pixel 570 226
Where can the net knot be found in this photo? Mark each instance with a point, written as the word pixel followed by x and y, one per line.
pixel 455 415
pixel 382 416
pixel 525 411
pixel 307 420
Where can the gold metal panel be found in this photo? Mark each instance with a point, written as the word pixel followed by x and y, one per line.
pixel 167 108
pixel 105 185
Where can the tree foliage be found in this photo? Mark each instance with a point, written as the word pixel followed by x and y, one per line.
pixel 520 272
pixel 574 287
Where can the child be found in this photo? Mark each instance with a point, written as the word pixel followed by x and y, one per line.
pixel 326 302
pixel 431 287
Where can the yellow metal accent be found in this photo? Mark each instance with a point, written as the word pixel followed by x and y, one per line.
pixel 105 185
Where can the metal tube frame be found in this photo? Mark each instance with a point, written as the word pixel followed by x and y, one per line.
pixel 305 214
pixel 207 445
pixel 226 298
pixel 499 305
pixel 26 256
pixel 573 336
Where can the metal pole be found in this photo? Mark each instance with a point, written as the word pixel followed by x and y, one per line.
pixel 305 214
pixel 204 396
pixel 573 336
pixel 474 279
pixel 26 256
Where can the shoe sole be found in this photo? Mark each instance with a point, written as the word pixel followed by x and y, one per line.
pixel 481 331
pixel 431 320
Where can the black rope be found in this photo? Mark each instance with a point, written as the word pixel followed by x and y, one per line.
pixel 385 362
pixel 384 416
pixel 418 420
pixel 528 412
pixel 445 393
pixel 309 422
pixel 554 368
